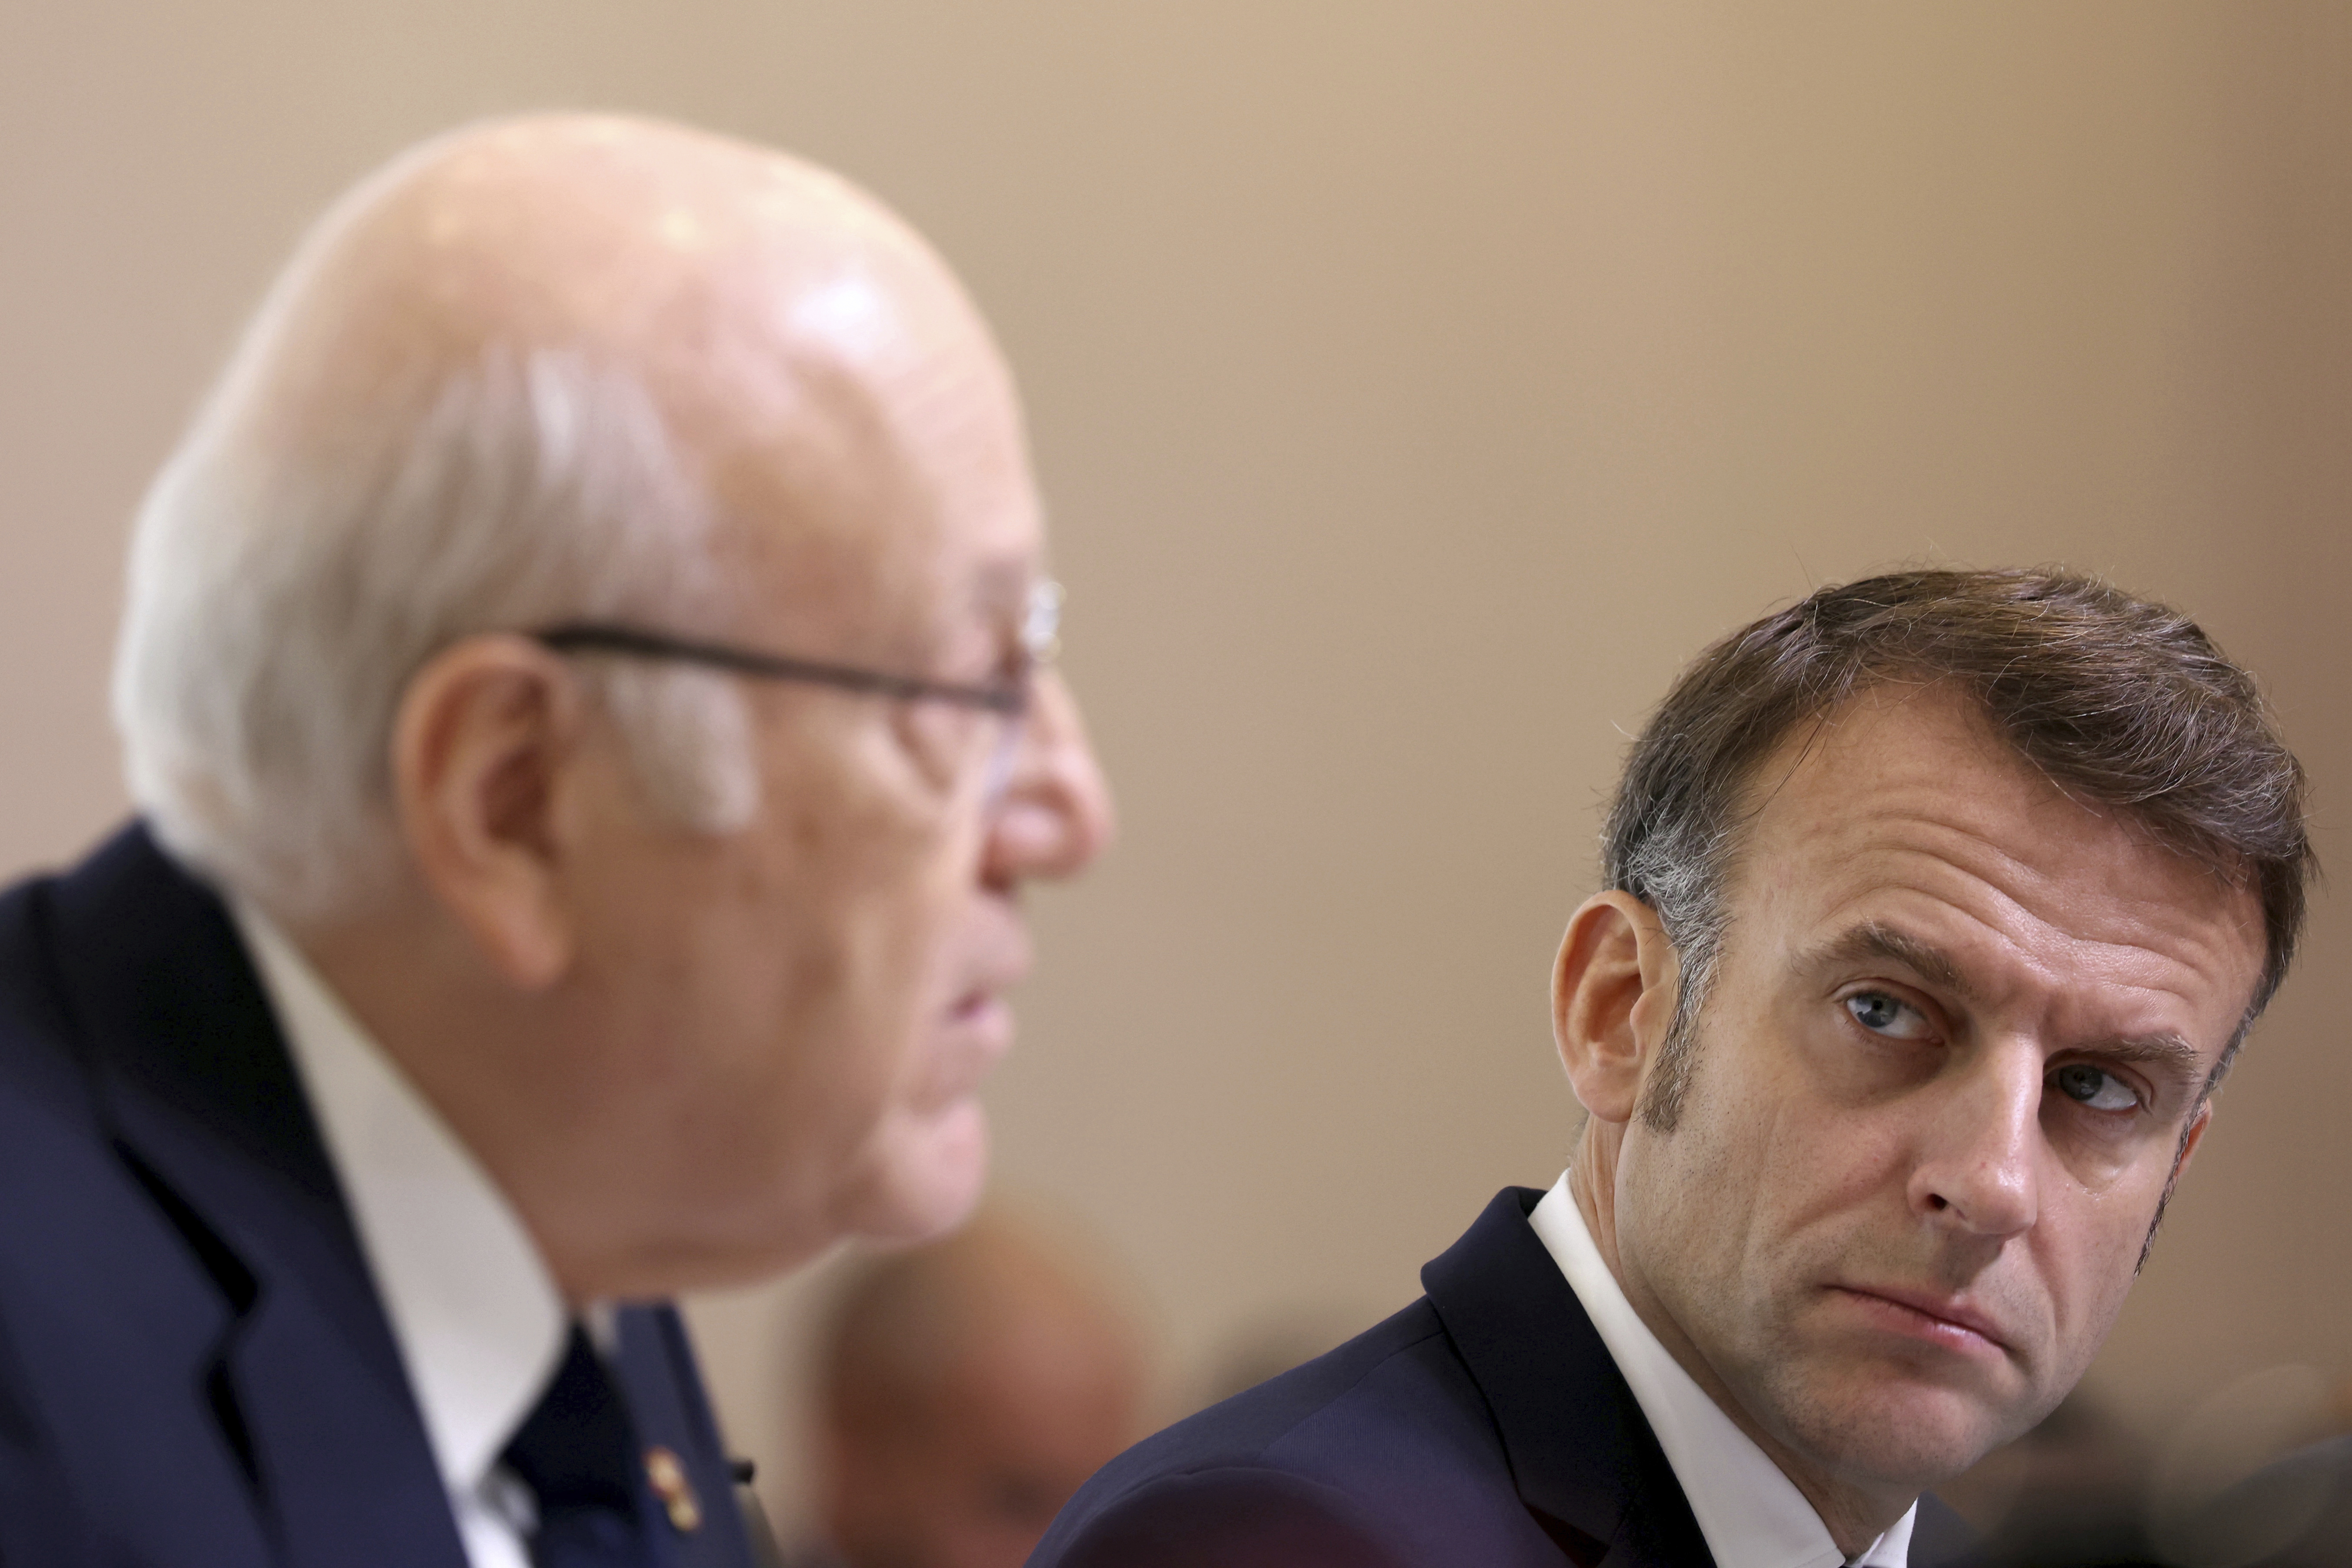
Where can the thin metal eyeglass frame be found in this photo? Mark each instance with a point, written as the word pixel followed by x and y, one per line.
pixel 1039 638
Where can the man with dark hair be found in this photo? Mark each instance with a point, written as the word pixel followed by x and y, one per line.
pixel 1936 907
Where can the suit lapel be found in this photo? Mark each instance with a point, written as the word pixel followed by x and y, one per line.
pixel 654 1366
pixel 193 1077
pixel 1582 1457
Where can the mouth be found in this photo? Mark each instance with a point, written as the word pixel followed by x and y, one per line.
pixel 1927 1317
pixel 978 1032
pixel 983 1010
pixel 975 1027
pixel 973 1035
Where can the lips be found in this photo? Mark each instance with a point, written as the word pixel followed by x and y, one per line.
pixel 981 1006
pixel 975 1028
pixel 972 1004
pixel 993 964
pixel 971 1038
pixel 1929 1316
pixel 984 1017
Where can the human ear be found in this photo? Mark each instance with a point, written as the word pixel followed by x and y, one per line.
pixel 1612 994
pixel 479 748
pixel 2189 1139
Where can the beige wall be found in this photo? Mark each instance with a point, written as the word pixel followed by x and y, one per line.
pixel 1415 385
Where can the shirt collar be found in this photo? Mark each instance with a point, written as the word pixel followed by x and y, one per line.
pixel 1752 1515
pixel 479 1321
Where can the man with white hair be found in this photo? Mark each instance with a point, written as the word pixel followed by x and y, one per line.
pixel 583 684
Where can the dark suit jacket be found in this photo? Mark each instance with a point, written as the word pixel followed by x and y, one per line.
pixel 1485 1425
pixel 194 1368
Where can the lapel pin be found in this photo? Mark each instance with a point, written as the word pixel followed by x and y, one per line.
pixel 667 1474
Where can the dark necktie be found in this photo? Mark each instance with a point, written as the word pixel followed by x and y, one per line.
pixel 578 1454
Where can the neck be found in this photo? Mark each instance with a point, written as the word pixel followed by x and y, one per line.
pixel 568 1132
pixel 1855 1512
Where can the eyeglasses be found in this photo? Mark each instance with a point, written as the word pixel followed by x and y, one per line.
pixel 1009 696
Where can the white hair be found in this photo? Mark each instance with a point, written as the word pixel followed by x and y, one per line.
pixel 283 592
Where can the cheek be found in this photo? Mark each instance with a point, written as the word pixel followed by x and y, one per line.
pixel 1819 1128
pixel 901 886
pixel 792 1040
pixel 2088 1250
pixel 850 949
pixel 845 909
pixel 1690 1201
pixel 1754 1179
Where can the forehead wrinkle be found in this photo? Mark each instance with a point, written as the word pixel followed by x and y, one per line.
pixel 1976 834
pixel 2010 887
pixel 2036 790
pixel 1876 939
pixel 2115 900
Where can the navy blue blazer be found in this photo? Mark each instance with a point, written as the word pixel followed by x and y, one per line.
pixel 1485 1425
pixel 194 1368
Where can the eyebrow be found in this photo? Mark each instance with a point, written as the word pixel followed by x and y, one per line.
pixel 2165 1050
pixel 1873 940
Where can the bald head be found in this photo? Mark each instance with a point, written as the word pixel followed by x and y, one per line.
pixel 966 1388
pixel 538 368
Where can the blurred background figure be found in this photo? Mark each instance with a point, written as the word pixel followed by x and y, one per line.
pixel 2068 1494
pixel 2257 1474
pixel 2295 1513
pixel 963 1390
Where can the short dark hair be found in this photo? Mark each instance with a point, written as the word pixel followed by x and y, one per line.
pixel 2122 703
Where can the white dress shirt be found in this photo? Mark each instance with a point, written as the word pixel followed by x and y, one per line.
pixel 479 1323
pixel 1751 1514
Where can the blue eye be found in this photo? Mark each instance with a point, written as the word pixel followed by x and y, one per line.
pixel 2094 1086
pixel 1883 1015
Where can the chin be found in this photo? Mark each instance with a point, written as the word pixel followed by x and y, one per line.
pixel 1890 1428
pixel 928 1176
pixel 1902 1432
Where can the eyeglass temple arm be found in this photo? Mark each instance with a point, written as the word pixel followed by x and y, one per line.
pixel 580 636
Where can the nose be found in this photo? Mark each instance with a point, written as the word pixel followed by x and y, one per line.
pixel 1056 814
pixel 1978 1168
